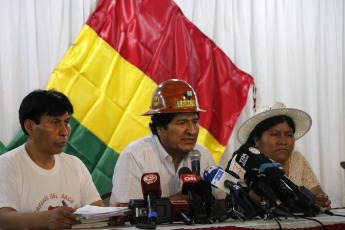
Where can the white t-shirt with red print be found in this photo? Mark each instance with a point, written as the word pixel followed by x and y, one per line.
pixel 26 187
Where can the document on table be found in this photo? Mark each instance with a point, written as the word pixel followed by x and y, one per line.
pixel 89 211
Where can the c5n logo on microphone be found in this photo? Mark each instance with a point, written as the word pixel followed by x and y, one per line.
pixel 150 178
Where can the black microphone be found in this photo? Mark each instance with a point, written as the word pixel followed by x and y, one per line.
pixel 194 156
pixel 204 190
pixel 151 188
pixel 188 182
pixel 306 198
pixel 180 211
pixel 258 182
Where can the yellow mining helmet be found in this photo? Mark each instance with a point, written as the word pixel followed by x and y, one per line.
pixel 173 96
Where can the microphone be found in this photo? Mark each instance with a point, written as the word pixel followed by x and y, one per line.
pixel 187 184
pixel 220 179
pixel 257 181
pixel 249 157
pixel 204 190
pixel 194 156
pixel 187 180
pixel 151 188
pixel 180 211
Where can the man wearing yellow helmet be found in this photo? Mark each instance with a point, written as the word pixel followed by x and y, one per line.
pixel 175 127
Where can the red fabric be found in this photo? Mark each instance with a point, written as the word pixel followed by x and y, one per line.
pixel 158 39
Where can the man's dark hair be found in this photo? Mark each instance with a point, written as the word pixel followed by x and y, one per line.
pixel 266 125
pixel 162 120
pixel 43 102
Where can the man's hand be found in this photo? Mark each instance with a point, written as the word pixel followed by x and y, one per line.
pixel 61 217
pixel 57 218
pixel 118 220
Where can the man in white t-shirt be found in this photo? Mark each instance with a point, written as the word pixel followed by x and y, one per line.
pixel 40 186
pixel 175 127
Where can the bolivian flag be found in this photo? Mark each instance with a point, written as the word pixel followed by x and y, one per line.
pixel 127 48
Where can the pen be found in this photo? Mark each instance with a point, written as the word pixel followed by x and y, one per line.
pixel 64 203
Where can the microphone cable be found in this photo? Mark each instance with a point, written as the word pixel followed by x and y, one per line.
pixel 309 218
pixel 334 214
pixel 303 217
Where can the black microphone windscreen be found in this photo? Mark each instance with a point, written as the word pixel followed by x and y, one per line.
pixel 253 179
pixel 249 157
pixel 184 170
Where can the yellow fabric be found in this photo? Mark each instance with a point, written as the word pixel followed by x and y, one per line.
pixel 206 139
pixel 109 94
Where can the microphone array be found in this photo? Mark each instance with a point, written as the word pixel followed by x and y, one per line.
pixel 278 194
pixel 267 179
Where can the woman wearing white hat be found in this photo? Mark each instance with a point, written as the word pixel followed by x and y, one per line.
pixel 273 130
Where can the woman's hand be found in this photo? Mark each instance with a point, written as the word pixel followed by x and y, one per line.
pixel 323 201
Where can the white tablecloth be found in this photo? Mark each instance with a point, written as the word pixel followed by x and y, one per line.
pixel 286 223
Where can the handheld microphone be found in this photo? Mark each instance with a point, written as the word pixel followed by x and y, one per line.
pixel 180 211
pixel 151 188
pixel 187 184
pixel 194 156
pixel 187 181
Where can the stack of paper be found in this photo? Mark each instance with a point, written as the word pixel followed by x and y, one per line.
pixel 95 216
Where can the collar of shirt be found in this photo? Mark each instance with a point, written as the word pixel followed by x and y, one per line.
pixel 167 159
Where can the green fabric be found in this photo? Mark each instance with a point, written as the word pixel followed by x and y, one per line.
pixel 3 149
pixel 99 159
pixel 17 141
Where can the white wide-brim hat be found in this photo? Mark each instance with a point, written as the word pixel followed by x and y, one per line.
pixel 301 119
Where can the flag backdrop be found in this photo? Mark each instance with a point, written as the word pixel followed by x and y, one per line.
pixel 127 48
